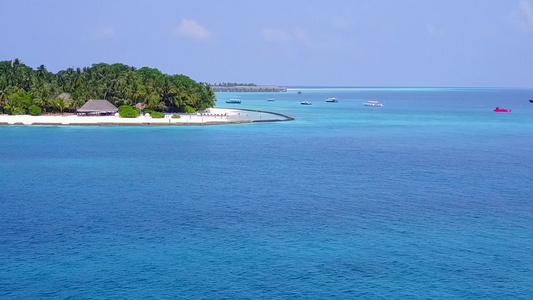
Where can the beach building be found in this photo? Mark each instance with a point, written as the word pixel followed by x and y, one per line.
pixel 97 108
pixel 141 106
pixel 65 96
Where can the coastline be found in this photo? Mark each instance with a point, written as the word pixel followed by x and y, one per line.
pixel 212 116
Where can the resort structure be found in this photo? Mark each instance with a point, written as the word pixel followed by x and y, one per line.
pixel 251 88
pixel 97 108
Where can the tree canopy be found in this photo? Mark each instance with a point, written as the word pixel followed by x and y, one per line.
pixel 22 87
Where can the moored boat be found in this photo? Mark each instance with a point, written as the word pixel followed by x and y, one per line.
pixel 497 109
pixel 234 101
pixel 270 99
pixel 372 103
pixel 332 100
pixel 305 103
pixel 530 100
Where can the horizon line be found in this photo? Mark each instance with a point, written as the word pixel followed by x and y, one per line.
pixel 392 86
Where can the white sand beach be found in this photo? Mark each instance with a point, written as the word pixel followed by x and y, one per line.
pixel 210 116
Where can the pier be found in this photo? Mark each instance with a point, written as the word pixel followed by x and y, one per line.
pixel 251 88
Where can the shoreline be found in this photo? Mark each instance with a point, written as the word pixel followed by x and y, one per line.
pixel 212 116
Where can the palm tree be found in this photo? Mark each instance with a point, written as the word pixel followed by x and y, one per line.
pixel 61 104
pixel 42 73
pixel 4 97
pixel 168 92
pixel 77 102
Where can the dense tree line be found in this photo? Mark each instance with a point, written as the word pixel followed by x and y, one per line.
pixel 22 87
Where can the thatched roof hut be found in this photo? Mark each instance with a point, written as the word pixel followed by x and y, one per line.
pixel 64 96
pixel 97 107
pixel 140 106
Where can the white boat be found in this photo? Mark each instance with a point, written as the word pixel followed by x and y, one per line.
pixel 331 100
pixel 305 103
pixel 372 103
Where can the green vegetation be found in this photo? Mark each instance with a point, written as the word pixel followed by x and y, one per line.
pixel 189 110
pixel 65 91
pixel 157 115
pixel 176 116
pixel 147 111
pixel 18 103
pixel 60 104
pixel 127 111
pixel 15 110
pixel 34 110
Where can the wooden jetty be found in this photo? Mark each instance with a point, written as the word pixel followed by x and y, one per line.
pixel 250 88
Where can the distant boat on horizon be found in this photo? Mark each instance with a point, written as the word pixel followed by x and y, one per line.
pixel 271 99
pixel 305 103
pixel 332 99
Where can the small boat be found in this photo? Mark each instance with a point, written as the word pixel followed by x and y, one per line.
pixel 299 92
pixel 271 99
pixel 305 103
pixel 497 109
pixel 530 100
pixel 372 103
pixel 234 101
pixel 332 100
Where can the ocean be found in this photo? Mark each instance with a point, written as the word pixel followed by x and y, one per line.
pixel 427 197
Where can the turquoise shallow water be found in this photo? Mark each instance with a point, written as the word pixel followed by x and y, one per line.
pixel 428 196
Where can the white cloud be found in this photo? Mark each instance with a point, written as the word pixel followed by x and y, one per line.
pixel 276 36
pixel 523 18
pixel 191 29
pixel 433 31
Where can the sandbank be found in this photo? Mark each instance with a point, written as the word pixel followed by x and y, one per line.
pixel 211 116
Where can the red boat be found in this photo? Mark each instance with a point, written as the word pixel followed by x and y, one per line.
pixel 497 109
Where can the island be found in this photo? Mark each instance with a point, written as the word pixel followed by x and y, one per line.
pixel 111 94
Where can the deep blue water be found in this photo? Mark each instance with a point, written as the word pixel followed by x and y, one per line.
pixel 427 197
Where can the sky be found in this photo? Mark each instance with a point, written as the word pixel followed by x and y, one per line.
pixel 414 43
